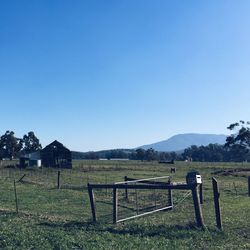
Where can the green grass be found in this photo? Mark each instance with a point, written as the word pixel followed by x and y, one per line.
pixel 60 219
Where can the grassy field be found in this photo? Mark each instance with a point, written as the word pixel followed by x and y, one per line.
pixel 49 218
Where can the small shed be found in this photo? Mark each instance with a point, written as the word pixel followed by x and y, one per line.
pixel 31 160
pixel 56 155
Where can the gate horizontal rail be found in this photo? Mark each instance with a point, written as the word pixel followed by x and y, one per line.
pixel 144 186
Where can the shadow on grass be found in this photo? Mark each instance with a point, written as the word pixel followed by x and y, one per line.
pixel 149 230
pixel 170 232
pixel 73 187
pixel 8 213
pixel 68 225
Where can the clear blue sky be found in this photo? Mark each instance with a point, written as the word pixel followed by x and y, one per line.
pixel 119 74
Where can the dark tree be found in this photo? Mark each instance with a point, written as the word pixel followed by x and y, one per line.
pixel 239 141
pixel 241 135
pixel 164 156
pixel 91 156
pixel 10 146
pixel 2 150
pixel 173 156
pixel 140 154
pixel 209 153
pixel 151 155
pixel 31 143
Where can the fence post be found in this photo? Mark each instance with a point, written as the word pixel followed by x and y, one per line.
pixel 58 179
pixel 115 203
pixel 16 201
pixel 249 186
pixel 106 182
pixel 217 203
pixel 197 207
pixel 92 203
pixel 201 193
pixel 170 195
pixel 126 190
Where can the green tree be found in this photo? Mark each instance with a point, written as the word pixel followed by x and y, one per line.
pixel 173 156
pixel 151 155
pixel 10 145
pixel 164 156
pixel 31 143
pixel 239 141
pixel 140 154
pixel 2 151
pixel 209 153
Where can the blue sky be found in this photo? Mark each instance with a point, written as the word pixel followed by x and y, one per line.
pixel 119 74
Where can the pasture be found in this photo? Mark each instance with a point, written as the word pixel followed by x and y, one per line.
pixel 52 218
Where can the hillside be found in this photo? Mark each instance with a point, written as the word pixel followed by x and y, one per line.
pixel 181 141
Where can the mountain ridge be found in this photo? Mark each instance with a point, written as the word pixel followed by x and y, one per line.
pixel 181 141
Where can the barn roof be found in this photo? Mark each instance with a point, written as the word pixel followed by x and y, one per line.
pixel 55 144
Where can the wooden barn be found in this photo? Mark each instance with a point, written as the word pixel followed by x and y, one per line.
pixel 56 155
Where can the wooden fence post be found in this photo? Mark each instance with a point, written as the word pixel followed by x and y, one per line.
pixel 92 202
pixel 16 201
pixel 115 203
pixel 249 186
pixel 248 180
pixel 201 193
pixel 106 182
pixel 197 207
pixel 126 190
pixel 217 203
pixel 58 179
pixel 170 195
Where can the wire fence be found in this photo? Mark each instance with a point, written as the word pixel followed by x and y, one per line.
pixel 45 192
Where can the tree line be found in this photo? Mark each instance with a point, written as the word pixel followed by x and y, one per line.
pixel 209 153
pixel 131 154
pixel 12 146
pixel 236 149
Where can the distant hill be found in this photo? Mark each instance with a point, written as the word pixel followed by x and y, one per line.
pixel 182 141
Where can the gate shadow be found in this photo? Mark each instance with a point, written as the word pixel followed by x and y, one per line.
pixel 168 231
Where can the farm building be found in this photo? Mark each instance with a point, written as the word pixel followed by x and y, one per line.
pixel 53 155
pixel 32 159
pixel 56 155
